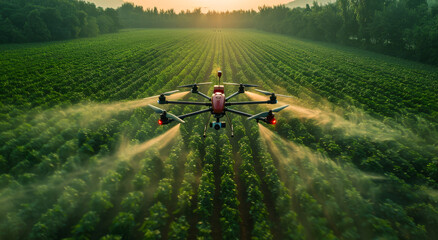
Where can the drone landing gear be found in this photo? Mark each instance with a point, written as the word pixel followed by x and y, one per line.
pixel 231 125
pixel 206 124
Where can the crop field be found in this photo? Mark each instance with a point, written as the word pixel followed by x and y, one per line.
pixel 354 156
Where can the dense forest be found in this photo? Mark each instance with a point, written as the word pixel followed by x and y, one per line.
pixel 135 16
pixel 402 28
pixel 37 21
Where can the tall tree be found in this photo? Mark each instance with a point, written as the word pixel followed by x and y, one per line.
pixel 35 28
pixel 349 23
pixel 365 11
pixel 415 3
pixel 8 32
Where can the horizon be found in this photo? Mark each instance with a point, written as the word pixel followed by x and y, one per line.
pixel 205 5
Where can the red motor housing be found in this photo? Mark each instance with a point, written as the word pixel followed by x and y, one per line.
pixel 274 121
pixel 163 119
pixel 270 119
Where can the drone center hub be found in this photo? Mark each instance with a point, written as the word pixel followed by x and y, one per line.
pixel 218 100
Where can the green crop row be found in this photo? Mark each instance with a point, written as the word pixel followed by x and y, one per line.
pixel 72 166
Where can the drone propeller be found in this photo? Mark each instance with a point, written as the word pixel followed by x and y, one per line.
pixel 270 93
pixel 241 84
pixel 169 115
pixel 265 114
pixel 195 84
pixel 170 92
pixel 165 94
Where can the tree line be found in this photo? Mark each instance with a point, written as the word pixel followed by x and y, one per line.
pixel 48 20
pixel 402 28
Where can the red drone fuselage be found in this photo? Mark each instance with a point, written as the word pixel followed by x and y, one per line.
pixel 218 99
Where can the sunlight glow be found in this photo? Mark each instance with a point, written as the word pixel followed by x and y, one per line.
pixel 208 5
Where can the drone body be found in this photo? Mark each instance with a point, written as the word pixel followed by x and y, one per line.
pixel 218 99
pixel 218 106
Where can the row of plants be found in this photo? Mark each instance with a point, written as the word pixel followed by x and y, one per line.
pixel 68 172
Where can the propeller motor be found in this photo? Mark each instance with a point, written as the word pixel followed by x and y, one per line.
pixel 273 98
pixel 163 118
pixel 270 119
pixel 162 99
pixel 194 86
pixel 269 116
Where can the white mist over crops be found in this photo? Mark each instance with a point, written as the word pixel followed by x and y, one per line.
pixel 159 142
pixel 293 152
pixel 87 113
pixel 126 152
pixel 309 162
pixel 358 123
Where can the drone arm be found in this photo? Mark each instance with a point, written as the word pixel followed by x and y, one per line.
pixel 254 102
pixel 203 95
pixel 189 103
pixel 238 112
pixel 232 95
pixel 194 113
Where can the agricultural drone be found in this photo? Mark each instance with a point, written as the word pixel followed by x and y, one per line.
pixel 218 105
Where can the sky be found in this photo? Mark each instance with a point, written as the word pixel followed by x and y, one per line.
pixel 218 5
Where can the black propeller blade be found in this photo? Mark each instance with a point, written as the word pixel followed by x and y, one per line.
pixel 170 92
pixel 241 84
pixel 165 94
pixel 169 115
pixel 270 93
pixel 265 114
pixel 195 84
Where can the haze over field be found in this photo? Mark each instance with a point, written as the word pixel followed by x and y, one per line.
pixel 302 3
pixel 209 5
pixel 108 3
pixel 206 5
